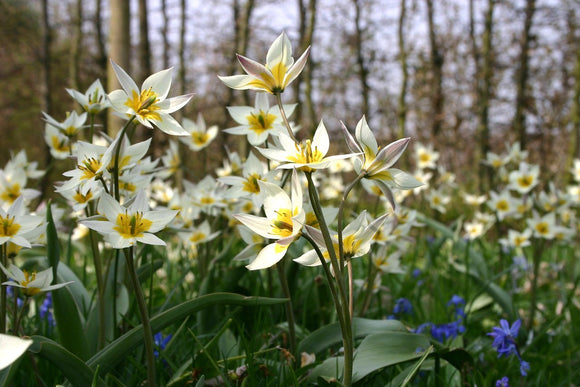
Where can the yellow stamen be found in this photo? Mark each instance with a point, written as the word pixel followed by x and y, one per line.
pixel 144 105
pixel 132 226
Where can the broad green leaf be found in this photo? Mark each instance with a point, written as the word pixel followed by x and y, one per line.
pixel 72 367
pixel 385 349
pixel 376 351
pixel 330 335
pixel 118 350
pixel 7 374
pixel 70 323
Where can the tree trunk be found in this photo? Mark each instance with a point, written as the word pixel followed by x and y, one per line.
pixel 164 32
pixel 402 109
pixel 144 47
pixel 119 46
pixel 484 83
pixel 519 123
pixel 362 67
pixel 576 104
pixel 77 37
pixel 307 14
pixel 436 65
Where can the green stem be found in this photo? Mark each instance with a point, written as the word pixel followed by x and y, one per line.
pixel 289 309
pixel 284 118
pixel 341 246
pixel 117 155
pixel 538 249
pixel 100 282
pixel 18 316
pixel 343 307
pixel 329 279
pixel 3 279
pixel 147 332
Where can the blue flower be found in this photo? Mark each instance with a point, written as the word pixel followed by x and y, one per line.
pixel 403 306
pixel 459 303
pixel 160 342
pixel 524 367
pixel 504 341
pixel 503 382
pixel 504 337
pixel 45 310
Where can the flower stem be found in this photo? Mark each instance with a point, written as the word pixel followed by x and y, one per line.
pixel 100 282
pixel 3 278
pixel 284 118
pixel 147 332
pixel 289 309
pixel 538 249
pixel 343 307
pixel 117 154
pixel 341 246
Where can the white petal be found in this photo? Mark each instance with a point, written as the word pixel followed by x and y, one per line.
pixel 127 83
pixel 268 256
pixel 11 348
pixel 159 82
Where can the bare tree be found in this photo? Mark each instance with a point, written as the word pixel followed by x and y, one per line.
pixel 165 33
pixel 522 74
pixel 363 70
pixel 483 92
pixel 77 38
pixel 307 18
pixel 576 101
pixel 402 103
pixel 144 46
pixel 436 66
pixel 119 49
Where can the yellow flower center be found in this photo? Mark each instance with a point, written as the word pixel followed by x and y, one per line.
pixel 197 236
pixel 350 245
pixel 207 200
pixel 132 226
pixel 519 240
pixel 7 226
pixel 502 205
pixel 525 181
pixel 251 184
pixel 306 155
pixel 61 146
pixel 10 193
pixel 283 224
pixel 199 138
pixel 542 228
pixel 144 104
pixel 28 278
pixel 261 122
pixel 80 198
pixel 424 157
pixel 89 168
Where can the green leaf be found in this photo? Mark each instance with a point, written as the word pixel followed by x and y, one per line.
pixel 385 349
pixel 376 351
pixel 416 367
pixel 73 368
pixel 458 358
pixel 330 335
pixel 118 350
pixel 69 322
